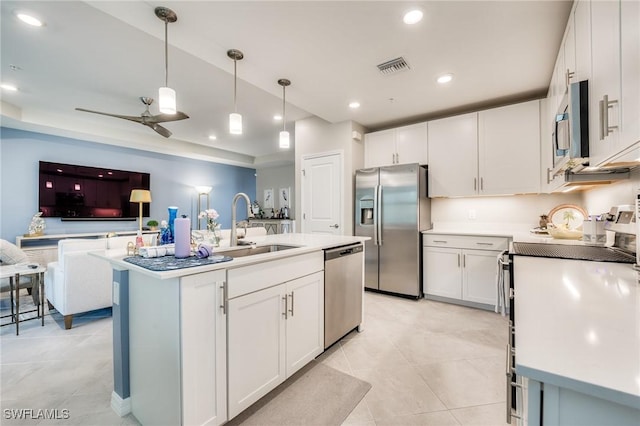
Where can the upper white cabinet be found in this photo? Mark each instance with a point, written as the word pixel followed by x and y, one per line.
pixel 614 109
pixel 453 156
pixel 509 149
pixel 402 145
pixel 492 152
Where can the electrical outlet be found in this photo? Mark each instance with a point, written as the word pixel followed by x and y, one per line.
pixel 472 214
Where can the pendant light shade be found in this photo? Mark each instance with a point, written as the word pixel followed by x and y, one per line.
pixel 284 135
pixel 166 95
pixel 235 119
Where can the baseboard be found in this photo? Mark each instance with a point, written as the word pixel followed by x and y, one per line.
pixel 122 407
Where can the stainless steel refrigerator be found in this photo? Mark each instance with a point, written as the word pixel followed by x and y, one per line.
pixel 391 207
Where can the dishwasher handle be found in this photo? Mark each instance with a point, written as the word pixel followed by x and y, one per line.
pixel 337 252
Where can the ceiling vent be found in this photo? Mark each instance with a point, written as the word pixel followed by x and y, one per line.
pixel 393 66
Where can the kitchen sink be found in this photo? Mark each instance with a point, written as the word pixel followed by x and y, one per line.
pixel 253 250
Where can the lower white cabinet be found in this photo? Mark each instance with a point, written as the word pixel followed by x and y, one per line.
pixel 462 268
pixel 178 349
pixel 272 333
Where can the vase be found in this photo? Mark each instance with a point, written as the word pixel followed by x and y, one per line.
pixel 173 213
pixel 213 235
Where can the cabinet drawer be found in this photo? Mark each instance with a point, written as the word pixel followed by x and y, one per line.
pixel 256 277
pixel 466 242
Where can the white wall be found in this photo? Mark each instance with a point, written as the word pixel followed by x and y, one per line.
pixel 315 136
pixel 600 200
pixel 276 178
pixel 512 213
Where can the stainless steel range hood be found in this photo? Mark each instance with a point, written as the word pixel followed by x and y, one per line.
pixel 574 179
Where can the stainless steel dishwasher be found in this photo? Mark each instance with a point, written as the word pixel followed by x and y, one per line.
pixel 342 291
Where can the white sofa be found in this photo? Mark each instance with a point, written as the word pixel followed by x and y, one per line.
pixel 79 282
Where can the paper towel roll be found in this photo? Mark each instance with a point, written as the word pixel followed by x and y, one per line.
pixel 182 226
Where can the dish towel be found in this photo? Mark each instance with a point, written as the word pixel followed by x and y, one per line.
pixel 501 301
pixel 158 251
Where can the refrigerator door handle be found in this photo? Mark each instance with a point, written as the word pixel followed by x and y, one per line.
pixel 375 216
pixel 378 215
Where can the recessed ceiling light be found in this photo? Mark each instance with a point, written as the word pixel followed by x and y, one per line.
pixel 28 19
pixel 412 17
pixel 354 105
pixel 212 137
pixel 277 117
pixel 9 87
pixel 445 78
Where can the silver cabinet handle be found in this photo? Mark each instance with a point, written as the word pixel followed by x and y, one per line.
pixel 464 260
pixel 475 184
pixel 607 130
pixel 601 117
pixel 458 260
pixel 440 241
pixel 223 306
pixel 291 309
pixel 569 75
pixel 484 244
pixel 286 303
pixel 481 184
pixel 335 225
pixel 393 158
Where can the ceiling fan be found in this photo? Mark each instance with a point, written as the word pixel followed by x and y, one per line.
pixel 146 118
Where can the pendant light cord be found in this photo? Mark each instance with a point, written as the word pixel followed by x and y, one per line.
pixel 235 79
pixel 283 115
pixel 166 53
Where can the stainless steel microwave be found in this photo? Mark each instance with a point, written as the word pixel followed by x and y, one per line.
pixel 570 136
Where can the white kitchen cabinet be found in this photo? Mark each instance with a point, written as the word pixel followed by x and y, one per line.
pixel 453 156
pixel 581 19
pixel 509 149
pixel 461 269
pixel 177 335
pixel 275 325
pixel 630 72
pixel 401 145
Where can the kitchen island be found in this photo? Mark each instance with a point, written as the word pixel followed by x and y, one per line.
pixel 577 334
pixel 206 342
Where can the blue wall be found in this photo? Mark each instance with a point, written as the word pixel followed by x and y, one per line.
pixel 172 181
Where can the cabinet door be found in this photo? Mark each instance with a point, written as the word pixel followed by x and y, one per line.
pixel 582 30
pixel 411 144
pixel 379 148
pixel 453 156
pixel 509 149
pixel 255 321
pixel 479 276
pixel 305 321
pixel 442 272
pixel 203 333
pixel 605 79
pixel 569 46
pixel 630 72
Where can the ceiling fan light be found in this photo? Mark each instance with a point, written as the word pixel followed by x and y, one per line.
pixel 167 100
pixel 235 123
pixel 284 139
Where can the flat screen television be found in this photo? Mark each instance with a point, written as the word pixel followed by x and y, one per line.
pixel 89 193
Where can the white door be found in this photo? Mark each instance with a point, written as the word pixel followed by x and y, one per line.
pixel 322 194
pixel 255 321
pixel 442 273
pixel 480 274
pixel 305 320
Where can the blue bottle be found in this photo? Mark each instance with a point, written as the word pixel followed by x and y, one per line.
pixel 173 213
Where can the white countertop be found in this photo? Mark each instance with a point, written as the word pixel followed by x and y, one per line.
pixel 578 324
pixel 306 243
pixel 515 235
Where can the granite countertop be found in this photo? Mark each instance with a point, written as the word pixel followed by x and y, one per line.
pixel 578 326
pixel 305 243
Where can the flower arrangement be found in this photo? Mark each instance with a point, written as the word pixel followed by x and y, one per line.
pixel 37 225
pixel 210 215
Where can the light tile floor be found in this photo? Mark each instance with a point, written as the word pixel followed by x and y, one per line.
pixel 430 363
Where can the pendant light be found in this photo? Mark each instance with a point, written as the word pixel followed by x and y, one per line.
pixel 235 119
pixel 284 135
pixel 166 95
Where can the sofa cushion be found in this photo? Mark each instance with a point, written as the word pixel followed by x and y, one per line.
pixel 10 254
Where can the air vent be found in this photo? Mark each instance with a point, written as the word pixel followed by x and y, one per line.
pixel 393 66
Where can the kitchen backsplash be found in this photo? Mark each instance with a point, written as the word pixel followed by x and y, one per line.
pixel 599 200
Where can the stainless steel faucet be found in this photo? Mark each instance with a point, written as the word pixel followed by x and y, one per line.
pixel 234 231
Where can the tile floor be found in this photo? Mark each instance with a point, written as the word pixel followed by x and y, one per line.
pixel 430 363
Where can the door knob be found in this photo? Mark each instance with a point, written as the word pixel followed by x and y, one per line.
pixel 334 226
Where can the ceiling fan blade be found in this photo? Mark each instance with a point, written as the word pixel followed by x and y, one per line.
pixel 124 117
pixel 159 129
pixel 163 118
